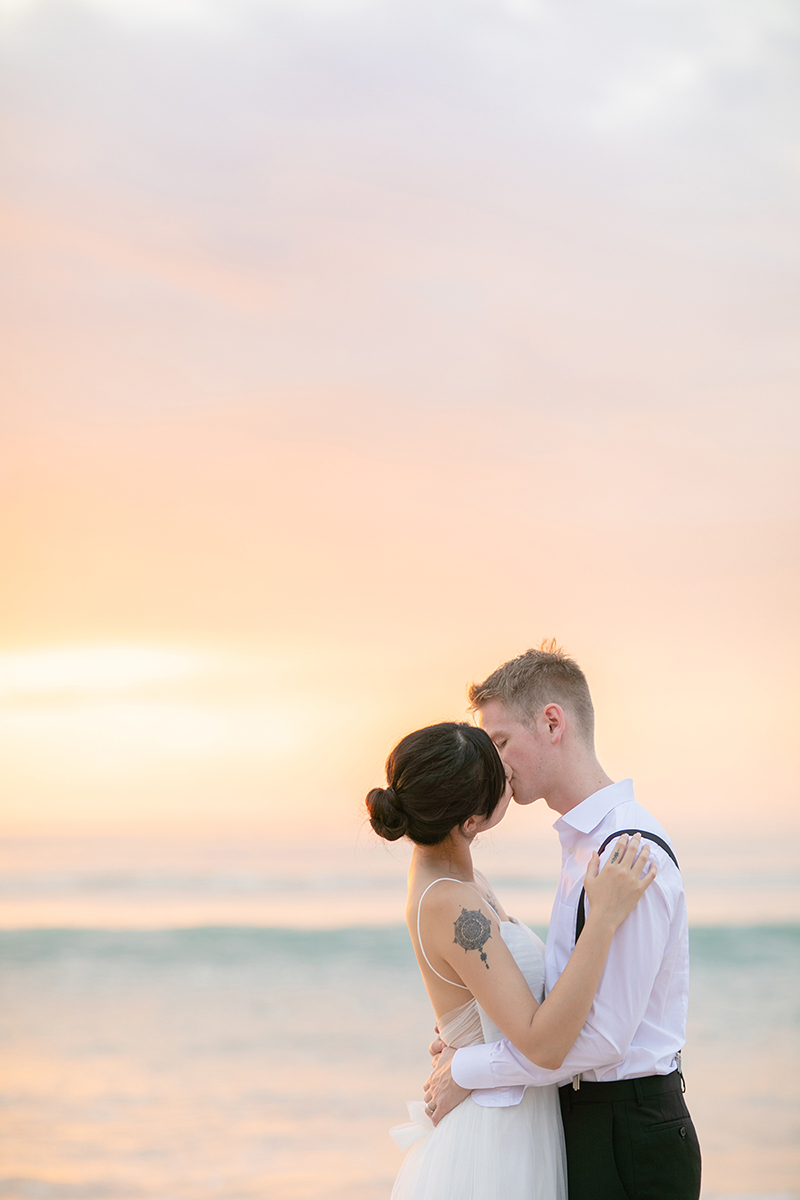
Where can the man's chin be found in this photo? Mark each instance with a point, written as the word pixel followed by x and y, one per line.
pixel 523 801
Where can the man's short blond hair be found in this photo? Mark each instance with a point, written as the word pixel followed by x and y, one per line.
pixel 528 683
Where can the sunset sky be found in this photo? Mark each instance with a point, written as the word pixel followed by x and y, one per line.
pixel 351 347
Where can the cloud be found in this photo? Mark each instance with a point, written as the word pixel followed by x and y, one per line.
pixel 89 669
pixel 636 100
pixel 419 330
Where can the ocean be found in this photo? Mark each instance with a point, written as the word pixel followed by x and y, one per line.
pixel 149 1053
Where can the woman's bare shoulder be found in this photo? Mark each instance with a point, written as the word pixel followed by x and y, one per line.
pixel 447 900
pixel 443 896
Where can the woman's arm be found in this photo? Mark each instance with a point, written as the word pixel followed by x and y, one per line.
pixel 462 931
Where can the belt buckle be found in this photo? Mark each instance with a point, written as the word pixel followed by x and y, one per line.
pixel 576 1083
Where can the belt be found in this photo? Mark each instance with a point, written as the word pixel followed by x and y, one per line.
pixel 623 1089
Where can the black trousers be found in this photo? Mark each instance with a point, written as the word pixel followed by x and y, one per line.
pixel 630 1140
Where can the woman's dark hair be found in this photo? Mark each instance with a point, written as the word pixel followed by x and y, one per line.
pixel 438 777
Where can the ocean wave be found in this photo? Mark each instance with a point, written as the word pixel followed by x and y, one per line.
pixel 730 946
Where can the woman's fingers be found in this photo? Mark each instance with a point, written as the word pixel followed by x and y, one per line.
pixel 642 857
pixel 619 851
pixel 633 854
pixel 643 868
pixel 649 875
pixel 593 868
pixel 631 850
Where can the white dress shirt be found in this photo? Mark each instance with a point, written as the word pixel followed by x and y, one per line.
pixel 637 1022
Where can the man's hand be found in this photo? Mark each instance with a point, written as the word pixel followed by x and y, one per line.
pixel 436 1047
pixel 442 1093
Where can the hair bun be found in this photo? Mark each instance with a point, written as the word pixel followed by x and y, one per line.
pixel 386 816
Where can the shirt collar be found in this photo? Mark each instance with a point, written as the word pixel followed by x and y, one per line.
pixel 587 815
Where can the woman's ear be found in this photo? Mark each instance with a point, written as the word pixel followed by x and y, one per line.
pixel 470 827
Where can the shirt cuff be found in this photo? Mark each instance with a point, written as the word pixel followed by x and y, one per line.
pixel 472 1067
pixel 503 1097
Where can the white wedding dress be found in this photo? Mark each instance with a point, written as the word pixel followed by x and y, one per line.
pixel 479 1153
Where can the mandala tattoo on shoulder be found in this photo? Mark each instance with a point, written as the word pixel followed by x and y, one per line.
pixel 473 931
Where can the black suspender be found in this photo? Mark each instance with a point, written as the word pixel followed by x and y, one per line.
pixel 651 837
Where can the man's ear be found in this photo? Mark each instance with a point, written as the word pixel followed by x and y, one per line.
pixel 554 722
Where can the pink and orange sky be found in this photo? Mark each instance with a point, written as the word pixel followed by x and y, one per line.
pixel 350 348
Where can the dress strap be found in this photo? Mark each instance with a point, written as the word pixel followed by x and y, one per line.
pixel 444 879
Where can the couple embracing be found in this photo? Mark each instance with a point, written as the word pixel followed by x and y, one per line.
pixel 578 1094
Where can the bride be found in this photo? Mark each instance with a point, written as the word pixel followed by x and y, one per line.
pixel 484 971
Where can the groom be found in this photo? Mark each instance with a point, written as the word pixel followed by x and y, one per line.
pixel 627 1129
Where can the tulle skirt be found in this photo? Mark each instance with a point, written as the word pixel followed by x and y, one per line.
pixel 478 1153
